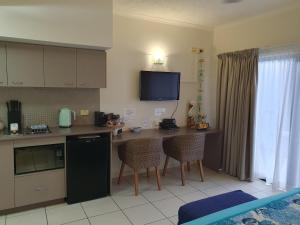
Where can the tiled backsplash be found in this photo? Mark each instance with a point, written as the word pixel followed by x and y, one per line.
pixel 41 105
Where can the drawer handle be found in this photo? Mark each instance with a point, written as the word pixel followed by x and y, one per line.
pixel 82 84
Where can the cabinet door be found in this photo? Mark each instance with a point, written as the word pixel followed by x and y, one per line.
pixel 6 175
pixel 60 67
pixel 91 68
pixel 40 187
pixel 3 74
pixel 25 65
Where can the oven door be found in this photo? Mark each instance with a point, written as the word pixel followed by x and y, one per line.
pixel 39 158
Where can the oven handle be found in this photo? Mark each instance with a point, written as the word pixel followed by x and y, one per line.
pixel 88 137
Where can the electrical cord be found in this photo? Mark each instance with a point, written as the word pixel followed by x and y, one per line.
pixel 175 109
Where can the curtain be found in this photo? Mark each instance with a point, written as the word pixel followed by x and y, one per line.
pixel 277 140
pixel 236 94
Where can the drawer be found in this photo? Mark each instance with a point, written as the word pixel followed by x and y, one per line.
pixel 39 141
pixel 39 187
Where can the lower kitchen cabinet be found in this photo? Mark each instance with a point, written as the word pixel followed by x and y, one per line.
pixel 6 175
pixel 3 74
pixel 39 187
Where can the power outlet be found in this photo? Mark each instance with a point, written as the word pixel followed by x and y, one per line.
pixel 84 112
pixel 159 111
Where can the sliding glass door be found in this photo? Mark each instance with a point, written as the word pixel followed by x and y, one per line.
pixel 277 124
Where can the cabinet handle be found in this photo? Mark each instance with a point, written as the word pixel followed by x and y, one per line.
pixel 82 84
pixel 68 84
pixel 1 82
pixel 17 82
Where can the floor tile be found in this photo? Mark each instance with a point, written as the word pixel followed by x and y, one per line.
pixel 79 222
pixel 194 196
pixel 39 210
pixel 34 218
pixel 129 200
pixel 203 185
pixel 249 189
pixel 265 194
pixel 162 222
pixel 116 218
pixel 99 206
pixel 174 220
pixel 65 214
pixel 262 186
pixel 155 195
pixel 143 214
pixel 179 189
pixel 215 191
pixel 169 207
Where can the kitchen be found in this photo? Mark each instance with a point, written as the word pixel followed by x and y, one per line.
pixel 42 134
pixel 41 72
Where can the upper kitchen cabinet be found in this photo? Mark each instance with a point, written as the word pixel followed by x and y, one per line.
pixel 59 67
pixel 3 75
pixel 25 65
pixel 91 68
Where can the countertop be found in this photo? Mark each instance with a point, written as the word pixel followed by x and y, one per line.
pixel 58 132
pixel 90 129
pixel 158 133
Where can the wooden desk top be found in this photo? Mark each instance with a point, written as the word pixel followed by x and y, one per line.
pixel 158 133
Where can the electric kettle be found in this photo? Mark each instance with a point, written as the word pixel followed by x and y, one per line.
pixel 65 117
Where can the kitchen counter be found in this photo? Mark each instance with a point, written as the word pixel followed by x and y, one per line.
pixel 58 132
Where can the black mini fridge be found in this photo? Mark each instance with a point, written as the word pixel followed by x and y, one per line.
pixel 88 167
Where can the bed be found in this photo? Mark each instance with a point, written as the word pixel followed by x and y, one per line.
pixel 282 209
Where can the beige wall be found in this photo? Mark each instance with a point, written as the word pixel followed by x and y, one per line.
pixel 274 29
pixel 63 22
pixel 269 30
pixel 133 41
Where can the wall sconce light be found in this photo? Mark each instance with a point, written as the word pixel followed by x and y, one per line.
pixel 158 58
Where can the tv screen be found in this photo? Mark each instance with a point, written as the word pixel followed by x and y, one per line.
pixel 159 86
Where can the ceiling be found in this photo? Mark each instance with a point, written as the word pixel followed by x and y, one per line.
pixel 199 13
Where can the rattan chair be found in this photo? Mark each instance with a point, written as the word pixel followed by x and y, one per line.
pixel 141 154
pixel 185 148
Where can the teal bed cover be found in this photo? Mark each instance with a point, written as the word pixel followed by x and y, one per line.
pixel 282 209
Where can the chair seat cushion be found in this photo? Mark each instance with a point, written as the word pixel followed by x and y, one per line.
pixel 203 207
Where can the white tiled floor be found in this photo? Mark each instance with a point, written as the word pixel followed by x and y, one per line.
pixel 150 207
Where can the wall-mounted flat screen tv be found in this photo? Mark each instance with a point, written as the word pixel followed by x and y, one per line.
pixel 159 86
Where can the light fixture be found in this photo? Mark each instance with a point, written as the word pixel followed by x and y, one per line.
pixel 158 57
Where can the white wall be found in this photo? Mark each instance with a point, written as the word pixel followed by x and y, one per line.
pixel 133 41
pixel 61 22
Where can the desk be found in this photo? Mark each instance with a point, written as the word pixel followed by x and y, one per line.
pixel 212 153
